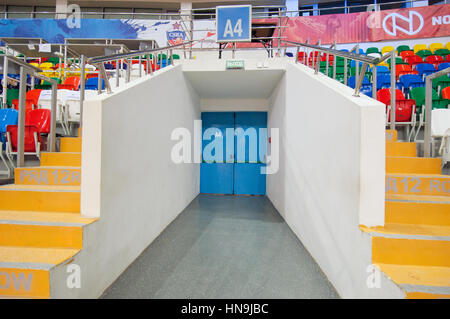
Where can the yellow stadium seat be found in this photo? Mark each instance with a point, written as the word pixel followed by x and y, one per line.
pixel 35 64
pixel 448 45
pixel 46 66
pixel 385 64
pixel 386 49
pixel 419 47
pixel 435 46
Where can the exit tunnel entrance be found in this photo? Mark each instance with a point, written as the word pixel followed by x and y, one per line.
pixel 234 152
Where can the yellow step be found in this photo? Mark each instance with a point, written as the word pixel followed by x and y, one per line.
pixel 413 209
pixel 61 159
pixel 25 270
pixel 40 198
pixel 24 283
pixel 33 234
pixel 410 231
pixel 406 251
pixel 417 275
pixel 426 295
pixel 71 144
pixel 401 149
pixel 418 184
pixel 414 165
pixel 65 175
pixel 391 135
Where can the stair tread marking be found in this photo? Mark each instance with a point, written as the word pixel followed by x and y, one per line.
pixel 416 275
pixel 44 218
pixel 418 175
pixel 34 257
pixel 43 188
pixel 426 295
pixel 418 198
pixel 58 167
pixel 410 231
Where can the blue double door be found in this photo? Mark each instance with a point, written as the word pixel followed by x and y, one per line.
pixel 234 148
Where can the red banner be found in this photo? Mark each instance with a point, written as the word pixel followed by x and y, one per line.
pixel 409 23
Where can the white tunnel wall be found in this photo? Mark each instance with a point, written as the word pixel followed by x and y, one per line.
pixel 128 177
pixel 331 175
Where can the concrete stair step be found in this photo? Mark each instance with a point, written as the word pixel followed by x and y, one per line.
pixel 418 184
pixel 61 159
pixel 40 198
pixel 71 144
pixel 401 149
pixel 25 271
pixel 414 165
pixel 48 175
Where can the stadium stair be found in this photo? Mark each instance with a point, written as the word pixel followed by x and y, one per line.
pixel 40 223
pixel 413 247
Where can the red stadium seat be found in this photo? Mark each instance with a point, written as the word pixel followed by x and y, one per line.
pixel 447 58
pixel 32 139
pixel 405 54
pixel 412 60
pixel 401 69
pixel 435 60
pixel 39 118
pixel 71 83
pixel 31 100
pixel 446 93
pixel 403 107
pixel 301 57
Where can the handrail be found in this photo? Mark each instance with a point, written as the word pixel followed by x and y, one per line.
pixel 119 56
pixel 25 70
pixel 428 108
pixel 343 54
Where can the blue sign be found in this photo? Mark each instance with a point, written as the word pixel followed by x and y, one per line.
pixel 234 23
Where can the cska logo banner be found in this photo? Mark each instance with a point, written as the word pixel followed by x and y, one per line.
pixel 175 37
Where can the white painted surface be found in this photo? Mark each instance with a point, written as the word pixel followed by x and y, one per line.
pixel 331 176
pixel 128 177
pixel 234 105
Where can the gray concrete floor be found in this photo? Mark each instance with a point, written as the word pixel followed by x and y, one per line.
pixel 224 247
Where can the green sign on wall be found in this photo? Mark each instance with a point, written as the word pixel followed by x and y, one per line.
pixel 235 64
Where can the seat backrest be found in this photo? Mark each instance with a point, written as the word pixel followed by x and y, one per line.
pixel 413 59
pixel 424 53
pixel 92 83
pixel 406 53
pixel 33 95
pixel 73 80
pixel 446 93
pixel 435 46
pixel 418 94
pixel 422 67
pixel 443 66
pixel 402 48
pixel 384 95
pixel 419 47
pixel 434 58
pixel 386 49
pixel 409 79
pixel 381 69
pixel 351 81
pixel 372 50
pixel 30 131
pixel 442 52
pixel 8 117
pixel 40 118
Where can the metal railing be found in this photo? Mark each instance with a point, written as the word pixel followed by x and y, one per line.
pixel 359 74
pixel 428 107
pixel 25 70
pixel 174 15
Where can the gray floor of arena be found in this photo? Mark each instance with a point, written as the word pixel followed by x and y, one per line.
pixel 224 247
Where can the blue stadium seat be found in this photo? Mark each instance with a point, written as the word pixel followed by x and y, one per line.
pixel 7 117
pixel 384 82
pixel 425 69
pixel 443 66
pixel 383 70
pixel 92 84
pixel 410 81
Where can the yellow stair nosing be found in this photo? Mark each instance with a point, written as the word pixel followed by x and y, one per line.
pixel 39 258
pixel 40 188
pixel 410 231
pixel 418 198
pixel 44 218
pixel 418 278
pixel 418 175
